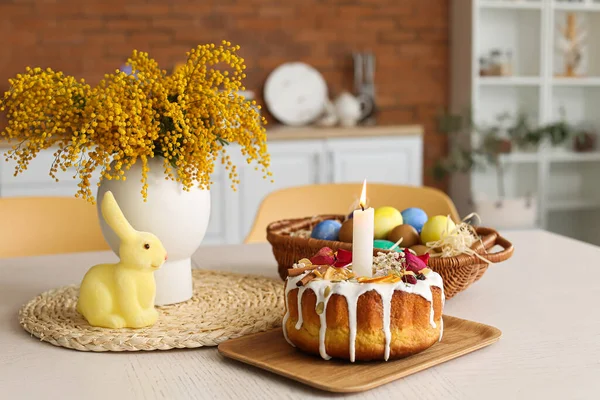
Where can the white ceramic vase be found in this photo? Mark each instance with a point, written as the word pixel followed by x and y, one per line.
pixel 178 218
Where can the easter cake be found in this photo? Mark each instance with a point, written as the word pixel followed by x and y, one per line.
pixel 393 314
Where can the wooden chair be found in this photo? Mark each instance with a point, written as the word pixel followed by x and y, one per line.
pixel 48 225
pixel 304 201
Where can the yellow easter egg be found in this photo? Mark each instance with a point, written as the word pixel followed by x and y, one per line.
pixel 386 219
pixel 435 228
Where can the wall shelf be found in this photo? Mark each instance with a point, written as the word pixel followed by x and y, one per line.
pixel 573 204
pixel 520 158
pixel 586 81
pixel 565 6
pixel 574 157
pixel 508 4
pixel 552 156
pixel 509 80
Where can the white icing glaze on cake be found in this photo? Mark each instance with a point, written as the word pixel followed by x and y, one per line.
pixel 300 317
pixel 352 291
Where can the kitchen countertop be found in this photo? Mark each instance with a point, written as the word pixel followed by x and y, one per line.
pixel 279 132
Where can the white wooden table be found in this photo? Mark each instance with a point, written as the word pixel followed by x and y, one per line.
pixel 546 300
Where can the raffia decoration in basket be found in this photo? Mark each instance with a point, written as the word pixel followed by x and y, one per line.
pixel 224 306
pixel 458 272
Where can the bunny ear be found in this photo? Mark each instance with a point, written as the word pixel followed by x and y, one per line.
pixel 114 217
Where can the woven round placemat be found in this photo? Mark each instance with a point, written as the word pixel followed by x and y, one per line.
pixel 224 306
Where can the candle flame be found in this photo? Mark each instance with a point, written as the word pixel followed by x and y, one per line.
pixel 363 196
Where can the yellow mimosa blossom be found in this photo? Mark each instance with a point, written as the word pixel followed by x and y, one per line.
pixel 187 118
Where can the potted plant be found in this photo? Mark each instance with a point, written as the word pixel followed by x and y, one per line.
pixel 584 141
pixel 478 147
pixel 152 137
pixel 556 135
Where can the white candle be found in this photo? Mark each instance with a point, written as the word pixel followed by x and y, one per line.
pixel 363 226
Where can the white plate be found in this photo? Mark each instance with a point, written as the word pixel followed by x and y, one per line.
pixel 295 93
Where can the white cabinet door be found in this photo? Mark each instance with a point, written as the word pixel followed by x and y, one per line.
pixel 220 197
pixel 51 189
pixel 36 181
pixel 397 160
pixel 293 163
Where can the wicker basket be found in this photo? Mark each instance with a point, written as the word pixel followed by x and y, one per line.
pixel 458 272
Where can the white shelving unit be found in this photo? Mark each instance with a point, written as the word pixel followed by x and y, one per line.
pixel 565 183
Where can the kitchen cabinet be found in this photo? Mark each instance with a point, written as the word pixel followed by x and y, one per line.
pixel 294 163
pixel 217 231
pixel 299 156
pixel 381 160
pixel 35 181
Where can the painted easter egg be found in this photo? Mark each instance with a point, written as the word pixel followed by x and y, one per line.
pixel 327 230
pixel 435 228
pixel 385 245
pixel 415 217
pixel 419 249
pixel 386 219
pixel 346 231
pixel 408 233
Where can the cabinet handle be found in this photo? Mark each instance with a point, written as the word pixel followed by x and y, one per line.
pixel 318 167
pixel 331 167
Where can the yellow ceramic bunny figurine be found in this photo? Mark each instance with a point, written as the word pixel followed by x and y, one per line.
pixel 122 295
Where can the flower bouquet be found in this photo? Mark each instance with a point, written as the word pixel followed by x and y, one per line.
pixel 186 118
pixel 143 131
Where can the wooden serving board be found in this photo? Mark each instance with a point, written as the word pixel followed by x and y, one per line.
pixel 269 351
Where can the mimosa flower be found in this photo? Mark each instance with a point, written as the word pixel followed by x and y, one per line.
pixel 187 118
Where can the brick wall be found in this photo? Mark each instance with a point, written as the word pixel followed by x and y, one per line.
pixel 88 38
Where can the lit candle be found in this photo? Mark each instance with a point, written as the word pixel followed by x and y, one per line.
pixel 362 237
